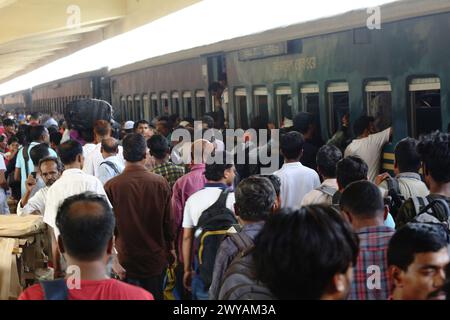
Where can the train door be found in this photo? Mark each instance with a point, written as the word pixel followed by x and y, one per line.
pixel 338 104
pixel 165 104
pixel 241 115
pixel 187 105
pixel 137 108
pixel 130 113
pixel 123 109
pixel 200 98
pixel 154 105
pixel 176 103
pixel 379 103
pixel 260 97
pixel 284 106
pixel 425 105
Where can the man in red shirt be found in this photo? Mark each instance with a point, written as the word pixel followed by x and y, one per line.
pixel 86 223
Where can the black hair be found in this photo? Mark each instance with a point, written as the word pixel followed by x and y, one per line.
pixel 406 155
pixel 275 180
pixel 69 150
pixel 351 169
pixel 327 158
pixel 13 139
pixel 134 147
pixel 362 199
pixel 209 121
pixel 159 146
pixel 21 137
pixel 52 129
pixel 84 233
pixel 59 165
pixel 36 132
pixel 137 123
pixel 361 124
pixel 55 137
pixel 215 171
pixel 38 152
pixel 291 145
pixel 306 246
pixel 35 116
pixel 255 197
pixel 415 238
pixel 8 122
pixel 434 150
pixel 302 122
pixel 88 135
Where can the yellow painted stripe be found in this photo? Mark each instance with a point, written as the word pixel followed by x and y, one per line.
pixel 389 156
pixel 208 233
pixel 388 166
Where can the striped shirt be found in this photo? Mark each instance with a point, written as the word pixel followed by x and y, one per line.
pixel 370 276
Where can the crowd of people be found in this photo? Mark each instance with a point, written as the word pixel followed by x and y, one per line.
pixel 130 208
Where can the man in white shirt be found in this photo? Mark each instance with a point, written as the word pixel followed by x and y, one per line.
pixel 296 179
pixel 368 146
pixel 50 170
pixel 73 181
pixel 327 158
pixel 112 165
pixel 407 181
pixel 219 178
pixel 102 130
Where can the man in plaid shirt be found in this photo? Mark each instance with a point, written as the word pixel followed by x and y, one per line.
pixel 362 203
pixel 159 149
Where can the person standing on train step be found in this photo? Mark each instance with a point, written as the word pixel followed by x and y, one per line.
pixel 362 204
pixel 296 179
pixel 220 177
pixel 304 123
pixel 160 151
pixel 87 224
pixel 327 158
pixel 418 259
pixel 24 164
pixel 112 165
pixel 368 146
pixel 144 226
pixel 102 130
pixel 434 151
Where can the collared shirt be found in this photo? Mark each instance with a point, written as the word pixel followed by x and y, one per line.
pixel 71 182
pixel 317 197
pixel 105 172
pixel 410 185
pixel 35 203
pixel 183 188
pixel 171 172
pixel 225 255
pixel 88 148
pixel 93 160
pixel 369 149
pixel 144 226
pixel 20 163
pixel 202 200
pixel 370 275
pixel 296 181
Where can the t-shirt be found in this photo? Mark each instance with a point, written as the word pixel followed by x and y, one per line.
pixel 369 149
pixel 108 289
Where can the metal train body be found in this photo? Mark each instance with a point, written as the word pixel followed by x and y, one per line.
pixel 399 73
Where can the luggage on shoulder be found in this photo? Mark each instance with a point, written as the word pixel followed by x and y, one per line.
pixel 82 114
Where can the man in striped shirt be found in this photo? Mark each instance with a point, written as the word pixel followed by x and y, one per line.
pixel 362 203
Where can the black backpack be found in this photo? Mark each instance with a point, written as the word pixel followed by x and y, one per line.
pixel 211 229
pixel 429 210
pixel 396 199
pixel 82 114
pixel 239 281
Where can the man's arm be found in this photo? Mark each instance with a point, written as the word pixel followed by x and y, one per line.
pixel 17 174
pixel 188 236
pixel 59 273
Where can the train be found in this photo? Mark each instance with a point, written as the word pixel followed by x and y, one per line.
pixel 398 72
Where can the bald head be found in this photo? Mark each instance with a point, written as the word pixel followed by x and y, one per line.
pixel 110 147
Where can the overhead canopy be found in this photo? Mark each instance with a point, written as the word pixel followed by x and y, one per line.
pixel 37 32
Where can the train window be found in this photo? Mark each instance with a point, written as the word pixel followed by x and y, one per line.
pixel 154 104
pixel 146 107
pixel 201 103
pixel 123 108
pixel 261 104
pixel 425 101
pixel 241 108
pixel 284 106
pixel 310 100
pixel 379 103
pixel 165 103
pixel 176 103
pixel 338 104
pixel 187 103
pixel 130 111
pixel 138 108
